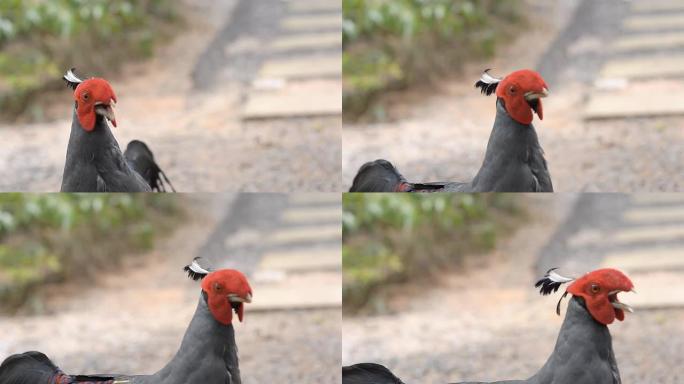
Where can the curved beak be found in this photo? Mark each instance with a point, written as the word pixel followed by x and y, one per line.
pixel 106 110
pixel 235 298
pixel 529 96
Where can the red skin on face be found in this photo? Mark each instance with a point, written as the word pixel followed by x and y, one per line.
pixel 218 285
pixel 512 90
pixel 88 93
pixel 594 288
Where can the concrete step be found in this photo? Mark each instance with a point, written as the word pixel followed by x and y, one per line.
pixel 644 67
pixel 295 292
pixel 303 67
pixel 314 6
pixel 654 22
pixel 314 41
pixel 302 215
pixel 314 198
pixel 649 41
pixel 657 198
pixel 657 6
pixel 646 260
pixel 300 98
pixel 653 234
pixel 308 23
pixel 297 260
pixel 655 290
pixel 306 234
pixel 649 215
pixel 642 99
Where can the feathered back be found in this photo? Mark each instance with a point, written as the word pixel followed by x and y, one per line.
pixel 195 269
pixel 487 83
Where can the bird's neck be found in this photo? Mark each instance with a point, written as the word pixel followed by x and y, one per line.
pixel 583 353
pixel 207 354
pixel 85 151
pixel 510 143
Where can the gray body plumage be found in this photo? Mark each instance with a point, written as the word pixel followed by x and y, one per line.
pixel 514 162
pixel 583 355
pixel 94 162
pixel 207 355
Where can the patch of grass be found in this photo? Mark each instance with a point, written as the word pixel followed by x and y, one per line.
pixel 53 237
pixel 389 238
pixel 392 44
pixel 40 39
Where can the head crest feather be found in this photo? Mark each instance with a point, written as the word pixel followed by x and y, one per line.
pixel 71 79
pixel 487 83
pixel 550 283
pixel 195 269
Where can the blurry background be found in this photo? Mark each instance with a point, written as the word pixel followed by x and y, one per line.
pixel 440 288
pixel 96 281
pixel 259 80
pixel 613 67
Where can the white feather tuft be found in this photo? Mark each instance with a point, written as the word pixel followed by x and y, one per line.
pixel 555 277
pixel 489 79
pixel 71 77
pixel 195 267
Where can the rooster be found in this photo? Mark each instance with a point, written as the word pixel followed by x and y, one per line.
pixel 514 160
pixel 94 162
pixel 583 352
pixel 207 355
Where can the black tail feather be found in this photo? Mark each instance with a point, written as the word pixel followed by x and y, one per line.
pixel 141 159
pixel 379 176
pixel 368 373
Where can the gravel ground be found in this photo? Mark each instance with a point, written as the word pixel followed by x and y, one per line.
pixel 185 104
pixel 131 320
pixel 441 133
pixel 489 323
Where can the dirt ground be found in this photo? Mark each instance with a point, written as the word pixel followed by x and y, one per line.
pixel 131 320
pixel 489 323
pixel 440 132
pixel 195 131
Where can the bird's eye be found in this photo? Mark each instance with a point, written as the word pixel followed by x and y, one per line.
pixel 218 287
pixel 595 288
pixel 512 90
pixel 86 96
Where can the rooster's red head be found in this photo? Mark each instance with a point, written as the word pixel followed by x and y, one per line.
pixel 226 290
pixel 520 91
pixel 599 289
pixel 93 97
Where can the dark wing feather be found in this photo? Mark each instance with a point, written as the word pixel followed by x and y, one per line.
pixel 71 79
pixel 195 270
pixel 487 83
pixel 550 282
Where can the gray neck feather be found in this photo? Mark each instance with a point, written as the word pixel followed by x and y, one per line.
pixel 207 355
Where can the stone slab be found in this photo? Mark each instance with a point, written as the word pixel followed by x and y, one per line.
pixel 649 41
pixel 647 259
pixel 302 67
pixel 311 214
pixel 654 234
pixel 657 6
pixel 302 98
pixel 298 292
pixel 644 67
pixel 654 22
pixel 315 6
pixel 312 22
pixel 656 214
pixel 314 198
pixel 655 290
pixel 312 234
pixel 311 259
pixel 656 198
pixel 328 40
pixel 633 104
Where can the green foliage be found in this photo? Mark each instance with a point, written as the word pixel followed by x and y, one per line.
pixel 394 237
pixel 40 39
pixel 51 237
pixel 391 44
